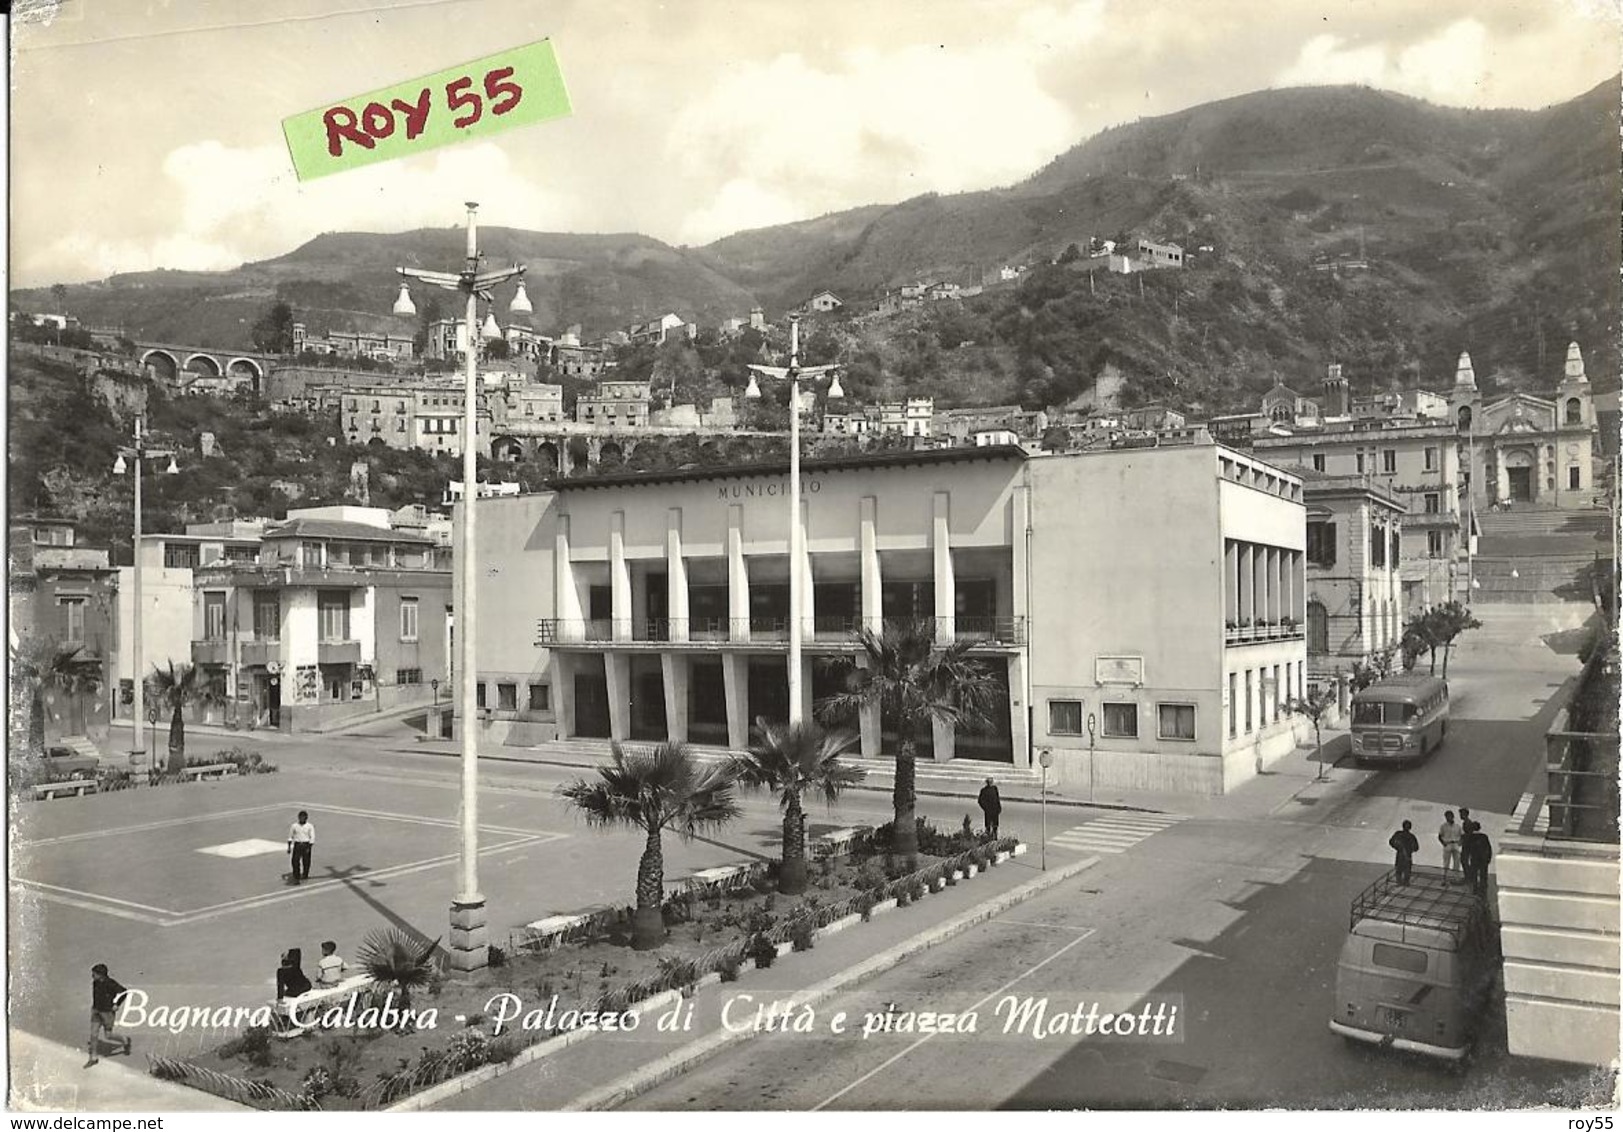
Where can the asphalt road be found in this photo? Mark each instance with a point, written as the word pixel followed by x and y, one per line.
pixel 1237 922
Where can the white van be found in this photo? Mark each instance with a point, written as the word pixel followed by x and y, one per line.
pixel 1418 968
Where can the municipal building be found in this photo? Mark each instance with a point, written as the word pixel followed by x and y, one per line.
pixel 1140 610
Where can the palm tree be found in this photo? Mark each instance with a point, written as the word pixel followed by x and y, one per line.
pixel 665 789
pixel 177 686
pixel 793 760
pixel 915 684
pixel 42 664
pixel 397 960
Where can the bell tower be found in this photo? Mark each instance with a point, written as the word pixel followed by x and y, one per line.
pixel 1573 405
pixel 1464 400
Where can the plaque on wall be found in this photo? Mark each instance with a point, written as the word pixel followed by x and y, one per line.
pixel 1118 670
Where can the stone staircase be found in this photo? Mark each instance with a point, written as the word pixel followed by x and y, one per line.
pixel 1543 532
pixel 953 775
pixel 1545 580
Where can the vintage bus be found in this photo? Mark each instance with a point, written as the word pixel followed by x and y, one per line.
pixel 1401 719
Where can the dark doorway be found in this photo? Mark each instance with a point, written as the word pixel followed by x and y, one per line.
pixel 707 702
pixel 657 607
pixel 768 689
pixel 1521 484
pixel 993 739
pixel 592 700
pixel 648 700
pixel 1318 629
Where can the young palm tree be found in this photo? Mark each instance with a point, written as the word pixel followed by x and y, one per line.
pixel 793 760
pixel 397 960
pixel 177 686
pixel 42 664
pixel 665 789
pixel 915 684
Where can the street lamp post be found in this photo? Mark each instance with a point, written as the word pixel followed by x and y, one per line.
pixel 794 372
pixel 469 942
pixel 133 458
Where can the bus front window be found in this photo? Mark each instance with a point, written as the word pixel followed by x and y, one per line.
pixel 1366 715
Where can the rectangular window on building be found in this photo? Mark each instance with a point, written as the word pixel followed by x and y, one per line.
pixel 1279 693
pixel 1175 721
pixel 1321 544
pixel 1318 461
pixel 1121 721
pixel 267 615
pixel 1434 544
pixel 1389 460
pixel 408 619
pixel 1431 459
pixel 180 556
pixel 540 697
pixel 1397 543
pixel 1248 697
pixel 1360 463
pixel 408 676
pixel 507 697
pixel 1234 706
pixel 332 614
pixel 1377 546
pixel 479 694
pixel 1065 717
pixel 73 620
pixel 1574 477
pixel 1434 503
pixel 214 616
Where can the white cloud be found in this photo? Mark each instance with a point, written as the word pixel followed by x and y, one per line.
pixel 241 204
pixel 1449 67
pixel 785 138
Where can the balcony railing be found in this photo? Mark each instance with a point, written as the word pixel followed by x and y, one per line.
pixel 212 651
pixel 1258 633
pixel 550 631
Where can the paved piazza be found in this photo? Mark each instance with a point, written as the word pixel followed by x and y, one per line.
pixel 183 890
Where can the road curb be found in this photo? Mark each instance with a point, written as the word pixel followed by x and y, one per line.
pixel 679 1061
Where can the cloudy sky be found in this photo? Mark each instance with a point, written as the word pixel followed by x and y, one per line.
pixel 147 133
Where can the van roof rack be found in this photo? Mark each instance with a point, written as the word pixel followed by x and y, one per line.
pixel 1427 901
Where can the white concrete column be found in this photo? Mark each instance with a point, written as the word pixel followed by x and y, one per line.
pixel 617 670
pixel 675 669
pixel 945 737
pixel 1019 716
pixel 1300 595
pixel 808 597
pixel 945 588
pixel 872 581
pixel 1020 503
pixel 676 576
pixel 806 712
pixel 1231 580
pixel 738 576
pixel 566 593
pixel 619 580
pixel 735 683
pixel 869 723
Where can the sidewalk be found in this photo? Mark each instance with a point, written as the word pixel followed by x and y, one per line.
pixel 49 1077
pixel 1255 798
pixel 608 1068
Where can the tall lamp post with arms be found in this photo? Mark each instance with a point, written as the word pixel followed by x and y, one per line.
pixel 794 372
pixel 469 944
pixel 132 458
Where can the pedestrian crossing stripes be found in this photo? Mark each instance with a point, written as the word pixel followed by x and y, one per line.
pixel 1541 815
pixel 1115 833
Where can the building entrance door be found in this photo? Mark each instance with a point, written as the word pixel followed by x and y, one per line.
pixel 592 703
pixel 707 702
pixel 648 700
pixel 1521 484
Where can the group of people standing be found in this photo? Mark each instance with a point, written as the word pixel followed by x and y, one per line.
pixel 1465 848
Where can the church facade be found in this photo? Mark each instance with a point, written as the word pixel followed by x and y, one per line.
pixel 1523 450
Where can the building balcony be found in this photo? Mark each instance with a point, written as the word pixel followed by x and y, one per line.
pixel 211 652
pixel 260 653
pixel 1262 632
pixel 338 652
pixel 837 630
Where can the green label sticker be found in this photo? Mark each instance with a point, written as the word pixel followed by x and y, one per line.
pixel 518 87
